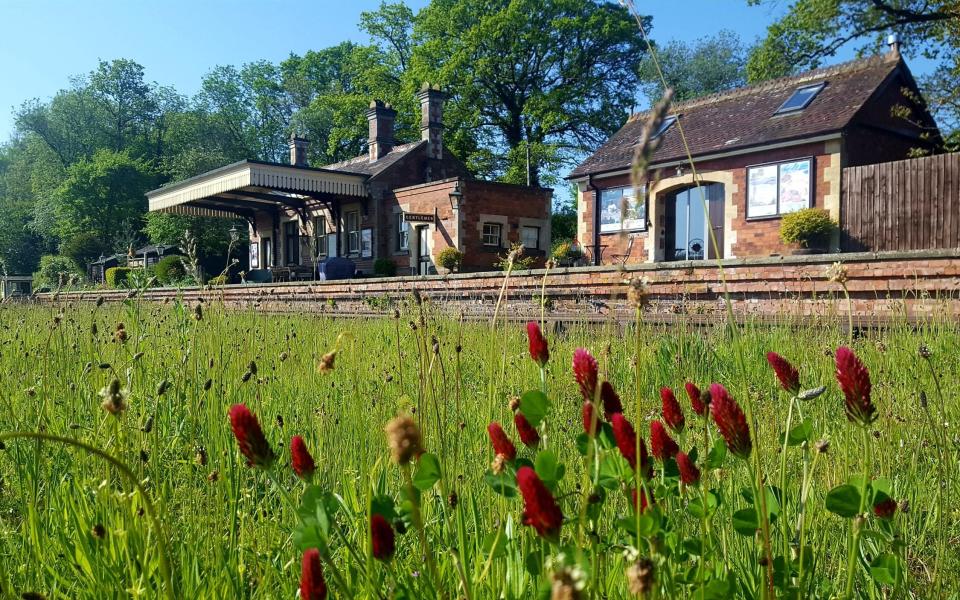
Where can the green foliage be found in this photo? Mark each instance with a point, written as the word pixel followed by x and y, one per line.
pixel 219 280
pixel 450 258
pixel 565 250
pixel 384 267
pixel 170 269
pixel 693 69
pixel 57 272
pixel 117 277
pixel 809 227
pixel 84 248
pixel 563 223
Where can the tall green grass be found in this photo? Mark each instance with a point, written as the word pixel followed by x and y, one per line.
pixel 72 526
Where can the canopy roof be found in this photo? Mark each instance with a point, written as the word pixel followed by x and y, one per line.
pixel 248 186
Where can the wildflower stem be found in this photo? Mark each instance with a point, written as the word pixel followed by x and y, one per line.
pixel 421 532
pixel 783 473
pixel 858 527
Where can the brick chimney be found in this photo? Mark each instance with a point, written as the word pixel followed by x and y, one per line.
pixel 431 119
pixel 380 116
pixel 893 46
pixel 298 151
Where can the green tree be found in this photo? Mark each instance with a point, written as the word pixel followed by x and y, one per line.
pixel 706 66
pixel 103 195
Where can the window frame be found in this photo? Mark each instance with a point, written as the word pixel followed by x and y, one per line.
pixel 535 227
pixel 353 235
pixel 811 201
pixel 621 228
pixel 484 235
pixel 320 236
pixel 816 87
pixel 291 229
pixel 403 234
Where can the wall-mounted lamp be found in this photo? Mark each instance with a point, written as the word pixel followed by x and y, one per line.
pixel 234 233
pixel 679 170
pixel 456 197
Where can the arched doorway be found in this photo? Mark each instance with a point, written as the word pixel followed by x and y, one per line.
pixel 686 228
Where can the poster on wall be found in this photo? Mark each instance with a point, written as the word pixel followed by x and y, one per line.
pixel 366 243
pixel 794 186
pixel 254 255
pixel 621 210
pixel 762 191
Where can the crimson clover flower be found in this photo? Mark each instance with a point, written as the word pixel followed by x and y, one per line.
pixel 500 442
pixel 527 432
pixel 627 443
pixel 540 509
pixel 381 537
pixel 610 399
pixel 672 413
pixel 885 508
pixel 854 380
pixel 661 444
pixel 585 370
pixel 689 473
pixel 539 350
pixel 698 400
pixel 300 458
pixel 787 374
pixel 250 438
pixel 312 584
pixel 640 500
pixel 731 421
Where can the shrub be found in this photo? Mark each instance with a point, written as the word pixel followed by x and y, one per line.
pixel 810 228
pixel 450 258
pixel 218 280
pixel 384 267
pixel 566 250
pixel 118 277
pixel 170 269
pixel 57 271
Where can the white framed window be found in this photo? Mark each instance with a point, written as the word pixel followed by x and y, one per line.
pixel 403 234
pixel 777 189
pixel 353 232
pixel 622 209
pixel 530 237
pixel 491 234
pixel 320 235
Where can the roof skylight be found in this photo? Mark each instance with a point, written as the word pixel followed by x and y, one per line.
pixel 665 125
pixel 800 98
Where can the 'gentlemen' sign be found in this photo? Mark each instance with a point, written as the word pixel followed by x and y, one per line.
pixel 418 217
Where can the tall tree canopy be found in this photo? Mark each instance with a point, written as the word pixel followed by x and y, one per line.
pixel 705 66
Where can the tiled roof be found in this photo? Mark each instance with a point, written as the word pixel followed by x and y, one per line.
pixel 746 116
pixel 364 166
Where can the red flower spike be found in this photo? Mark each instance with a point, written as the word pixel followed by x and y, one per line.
pixel 696 399
pixel 672 413
pixel 611 401
pixel 731 421
pixel 885 508
pixel 539 350
pixel 527 432
pixel 661 444
pixel 626 438
pixel 640 500
pixel 250 438
pixel 312 584
pixel 300 458
pixel 788 375
pixel 501 443
pixel 540 509
pixel 854 380
pixel 585 370
pixel 689 473
pixel 381 538
pixel 588 418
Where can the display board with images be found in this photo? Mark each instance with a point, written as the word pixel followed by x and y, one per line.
pixel 255 255
pixel 779 189
pixel 622 210
pixel 366 243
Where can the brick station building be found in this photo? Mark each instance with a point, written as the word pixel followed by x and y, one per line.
pixel 760 152
pixel 401 202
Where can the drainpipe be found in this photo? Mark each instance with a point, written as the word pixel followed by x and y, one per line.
pixel 596 219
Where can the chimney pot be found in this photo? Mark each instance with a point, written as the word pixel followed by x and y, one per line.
pixel 431 119
pixel 298 151
pixel 893 42
pixel 380 117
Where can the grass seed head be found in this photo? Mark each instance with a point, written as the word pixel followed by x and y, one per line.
pixel 403 437
pixel 640 577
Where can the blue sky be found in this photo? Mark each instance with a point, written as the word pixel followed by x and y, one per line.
pixel 45 42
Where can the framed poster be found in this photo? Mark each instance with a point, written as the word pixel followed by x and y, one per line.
pixel 762 191
pixel 366 243
pixel 794 186
pixel 255 255
pixel 622 210
pixel 780 188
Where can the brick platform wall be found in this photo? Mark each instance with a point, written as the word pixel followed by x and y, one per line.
pixel 886 286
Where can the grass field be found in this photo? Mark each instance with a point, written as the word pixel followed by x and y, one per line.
pixel 171 509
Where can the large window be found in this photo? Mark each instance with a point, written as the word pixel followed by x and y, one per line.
pixel 291 236
pixel 780 188
pixel 353 232
pixel 621 209
pixel 491 234
pixel 320 235
pixel 403 234
pixel 530 237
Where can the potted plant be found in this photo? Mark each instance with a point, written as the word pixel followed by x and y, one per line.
pixel 811 229
pixel 450 259
pixel 567 253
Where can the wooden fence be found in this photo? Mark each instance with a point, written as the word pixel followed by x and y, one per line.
pixel 909 204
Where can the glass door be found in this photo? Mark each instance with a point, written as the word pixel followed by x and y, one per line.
pixel 687 228
pixel 423 250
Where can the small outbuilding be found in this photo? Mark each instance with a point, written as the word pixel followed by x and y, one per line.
pixel 16 286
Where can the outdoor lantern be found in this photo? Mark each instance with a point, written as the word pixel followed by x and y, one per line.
pixel 456 196
pixel 234 234
pixel 679 170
